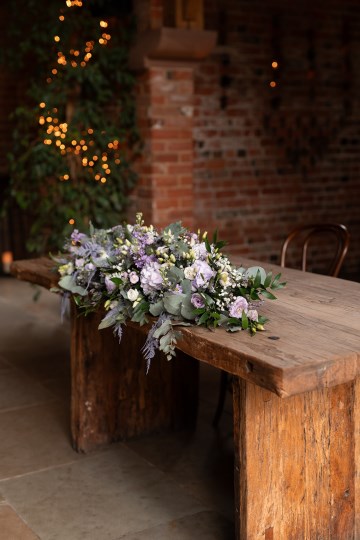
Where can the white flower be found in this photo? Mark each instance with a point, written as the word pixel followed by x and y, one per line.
pixel 190 272
pixel 224 279
pixel 132 294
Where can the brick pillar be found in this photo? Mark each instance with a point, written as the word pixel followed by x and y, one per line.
pixel 165 117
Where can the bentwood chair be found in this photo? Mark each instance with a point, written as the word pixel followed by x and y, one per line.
pixel 318 236
pixel 302 236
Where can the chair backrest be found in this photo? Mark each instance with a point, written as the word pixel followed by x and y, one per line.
pixel 306 233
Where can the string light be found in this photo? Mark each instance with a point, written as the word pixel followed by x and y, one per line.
pixel 72 221
pixel 57 131
pixel 274 64
pixel 272 84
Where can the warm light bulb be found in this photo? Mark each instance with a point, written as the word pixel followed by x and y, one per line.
pixel 56 38
pixel 273 84
pixel 42 105
pixel 274 64
pixel 71 221
pixel 103 24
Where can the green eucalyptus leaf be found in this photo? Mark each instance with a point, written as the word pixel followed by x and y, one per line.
pixel 172 303
pixel 156 309
pixel 69 283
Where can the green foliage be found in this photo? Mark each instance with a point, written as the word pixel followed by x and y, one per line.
pixel 88 94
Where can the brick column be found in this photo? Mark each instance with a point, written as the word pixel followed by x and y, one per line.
pixel 165 116
pixel 165 58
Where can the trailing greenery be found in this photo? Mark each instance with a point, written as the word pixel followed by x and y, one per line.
pixel 75 136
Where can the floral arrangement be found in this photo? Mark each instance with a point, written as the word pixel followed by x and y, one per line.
pixel 176 276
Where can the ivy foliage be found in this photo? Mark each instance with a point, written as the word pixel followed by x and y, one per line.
pixel 75 136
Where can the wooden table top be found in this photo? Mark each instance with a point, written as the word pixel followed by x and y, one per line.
pixel 312 339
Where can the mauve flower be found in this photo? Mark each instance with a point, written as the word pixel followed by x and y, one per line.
pixel 150 277
pixel 133 277
pixel 79 262
pixel 237 307
pixel 197 300
pixel 110 285
pixel 203 273
pixel 253 315
pixel 77 236
pixel 178 289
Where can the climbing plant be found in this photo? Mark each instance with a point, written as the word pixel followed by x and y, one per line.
pixel 74 136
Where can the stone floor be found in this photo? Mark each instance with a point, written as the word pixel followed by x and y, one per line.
pixel 168 486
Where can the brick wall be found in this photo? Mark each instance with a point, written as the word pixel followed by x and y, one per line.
pixel 268 158
pixel 223 149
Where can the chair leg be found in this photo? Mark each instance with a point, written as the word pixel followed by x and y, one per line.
pixel 221 400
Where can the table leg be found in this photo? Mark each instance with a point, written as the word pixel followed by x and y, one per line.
pixel 112 398
pixel 297 463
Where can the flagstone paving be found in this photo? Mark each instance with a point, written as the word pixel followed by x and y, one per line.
pixel 166 486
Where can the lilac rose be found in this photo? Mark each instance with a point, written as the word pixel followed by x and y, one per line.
pixel 203 274
pixel 237 307
pixel 197 300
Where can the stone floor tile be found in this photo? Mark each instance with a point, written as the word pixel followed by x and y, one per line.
pixel 39 348
pixel 12 527
pixel 201 461
pixel 29 298
pixel 201 526
pixel 35 438
pixel 19 390
pixel 101 497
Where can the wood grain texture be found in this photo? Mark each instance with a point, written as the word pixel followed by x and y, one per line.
pixel 295 462
pixel 113 398
pixel 41 271
pixel 316 320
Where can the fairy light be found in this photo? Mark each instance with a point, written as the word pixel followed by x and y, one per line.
pixel 71 221
pixel 274 64
pixel 57 131
pixel 272 84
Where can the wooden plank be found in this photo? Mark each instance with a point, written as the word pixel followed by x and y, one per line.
pixel 315 320
pixel 113 398
pixel 40 271
pixel 295 463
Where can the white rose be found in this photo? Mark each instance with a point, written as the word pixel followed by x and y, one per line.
pixel 132 294
pixel 190 272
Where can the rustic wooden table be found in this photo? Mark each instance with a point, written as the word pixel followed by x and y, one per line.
pixel 296 403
